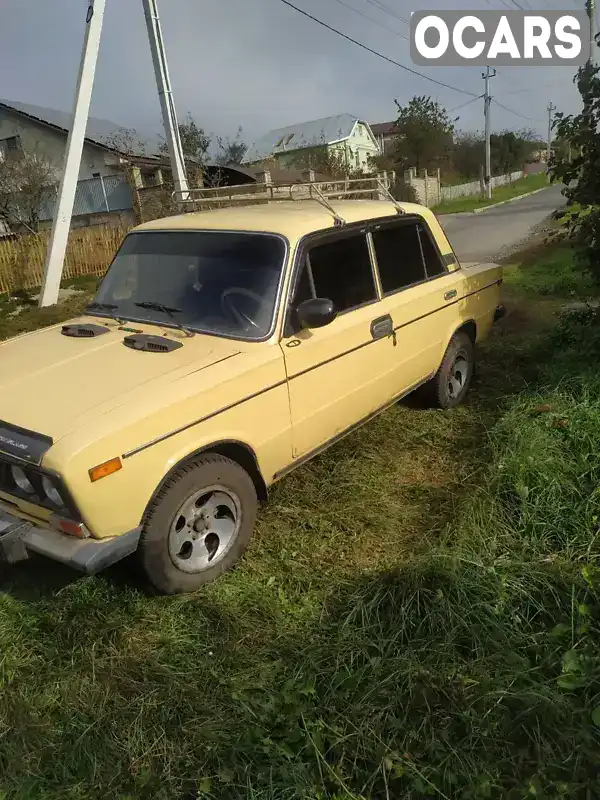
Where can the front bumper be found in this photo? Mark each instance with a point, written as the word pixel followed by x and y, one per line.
pixel 19 539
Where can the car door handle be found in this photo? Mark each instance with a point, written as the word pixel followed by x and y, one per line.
pixel 382 327
pixel 449 295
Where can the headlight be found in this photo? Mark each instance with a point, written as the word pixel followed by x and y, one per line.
pixel 22 481
pixel 52 492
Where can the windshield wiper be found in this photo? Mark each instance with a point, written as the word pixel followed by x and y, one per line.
pixel 151 306
pixel 108 308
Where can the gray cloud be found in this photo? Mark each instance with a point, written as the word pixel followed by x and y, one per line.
pixel 254 63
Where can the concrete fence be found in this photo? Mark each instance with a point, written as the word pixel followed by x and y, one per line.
pixel 430 192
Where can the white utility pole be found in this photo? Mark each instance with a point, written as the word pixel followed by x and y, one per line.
pixel 63 212
pixel 487 101
pixel 165 94
pixel 551 108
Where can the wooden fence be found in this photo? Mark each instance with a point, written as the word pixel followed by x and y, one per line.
pixel 89 252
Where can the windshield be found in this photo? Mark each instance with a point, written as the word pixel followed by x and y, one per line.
pixel 209 281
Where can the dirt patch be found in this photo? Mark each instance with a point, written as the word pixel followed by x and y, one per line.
pixel 529 250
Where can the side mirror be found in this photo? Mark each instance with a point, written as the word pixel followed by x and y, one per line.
pixel 315 313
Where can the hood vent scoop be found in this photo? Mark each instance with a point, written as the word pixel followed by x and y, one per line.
pixel 151 344
pixel 84 331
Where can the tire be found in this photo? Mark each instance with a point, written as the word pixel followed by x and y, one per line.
pixel 198 526
pixel 451 383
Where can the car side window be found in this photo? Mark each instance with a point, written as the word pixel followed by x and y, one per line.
pixel 434 265
pixel 405 256
pixel 342 272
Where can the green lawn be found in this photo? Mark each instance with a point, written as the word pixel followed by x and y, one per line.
pixel 32 317
pixel 522 186
pixel 417 616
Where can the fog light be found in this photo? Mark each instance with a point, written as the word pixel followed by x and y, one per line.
pixel 22 481
pixel 52 492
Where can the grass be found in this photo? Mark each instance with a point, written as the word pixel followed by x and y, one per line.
pixel 31 317
pixel 502 193
pixel 418 614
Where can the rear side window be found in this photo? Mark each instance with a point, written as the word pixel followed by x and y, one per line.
pixel 434 265
pixel 341 271
pixel 405 256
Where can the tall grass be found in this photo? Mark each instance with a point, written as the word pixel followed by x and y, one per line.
pixel 418 616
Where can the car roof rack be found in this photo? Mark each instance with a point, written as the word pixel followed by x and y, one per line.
pixel 258 193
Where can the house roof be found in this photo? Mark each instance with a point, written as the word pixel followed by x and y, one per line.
pixel 99 131
pixel 384 129
pixel 305 134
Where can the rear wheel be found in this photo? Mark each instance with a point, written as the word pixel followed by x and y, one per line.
pixel 450 385
pixel 199 525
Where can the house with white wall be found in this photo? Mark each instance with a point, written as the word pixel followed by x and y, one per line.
pixel 345 135
pixel 44 130
pixel 102 188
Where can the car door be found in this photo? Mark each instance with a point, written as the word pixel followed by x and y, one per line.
pixel 419 293
pixel 336 374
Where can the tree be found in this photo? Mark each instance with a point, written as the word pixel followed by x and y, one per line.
pixel 28 182
pixel 126 141
pixel 581 173
pixel 323 159
pixel 194 142
pixel 231 151
pixel 468 154
pixel 425 134
pixel 127 144
pixel 509 151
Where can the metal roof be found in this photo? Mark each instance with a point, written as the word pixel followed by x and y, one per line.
pixel 384 129
pixel 99 131
pixel 305 134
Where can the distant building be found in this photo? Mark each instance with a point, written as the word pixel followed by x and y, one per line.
pixel 28 127
pixel 344 135
pixel 102 190
pixel 385 133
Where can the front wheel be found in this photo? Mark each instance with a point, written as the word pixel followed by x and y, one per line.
pixel 451 383
pixel 199 524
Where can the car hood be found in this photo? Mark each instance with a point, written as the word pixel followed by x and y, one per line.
pixel 52 384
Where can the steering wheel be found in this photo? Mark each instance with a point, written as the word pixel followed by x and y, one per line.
pixel 239 316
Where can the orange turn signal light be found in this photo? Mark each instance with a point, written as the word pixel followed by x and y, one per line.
pixel 103 470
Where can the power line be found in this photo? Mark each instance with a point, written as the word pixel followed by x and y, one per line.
pixel 512 111
pixel 529 89
pixel 462 105
pixel 387 10
pixel 374 52
pixel 374 21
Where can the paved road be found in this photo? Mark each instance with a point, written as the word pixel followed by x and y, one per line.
pixel 493 233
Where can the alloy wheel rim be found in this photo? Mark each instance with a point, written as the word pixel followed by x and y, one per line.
pixel 204 529
pixel 459 374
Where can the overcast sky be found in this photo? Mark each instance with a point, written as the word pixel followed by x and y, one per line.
pixel 258 63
